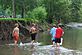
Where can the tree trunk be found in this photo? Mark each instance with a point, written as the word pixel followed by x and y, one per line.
pixel 14 8
pixel 23 10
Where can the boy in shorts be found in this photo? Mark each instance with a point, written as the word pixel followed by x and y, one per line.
pixel 59 34
pixel 16 33
pixel 53 32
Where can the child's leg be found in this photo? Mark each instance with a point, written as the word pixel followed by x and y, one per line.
pixel 15 42
pixel 53 44
pixel 32 42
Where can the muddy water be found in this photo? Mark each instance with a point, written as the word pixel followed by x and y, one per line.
pixel 73 39
pixel 36 50
pixel 71 46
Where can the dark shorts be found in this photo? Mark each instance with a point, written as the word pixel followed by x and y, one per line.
pixel 33 36
pixel 57 40
pixel 53 40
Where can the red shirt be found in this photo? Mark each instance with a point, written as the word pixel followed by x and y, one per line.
pixel 59 32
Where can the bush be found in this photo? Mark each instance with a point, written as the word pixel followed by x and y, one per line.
pixel 38 14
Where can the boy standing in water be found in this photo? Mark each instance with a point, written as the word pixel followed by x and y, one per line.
pixel 16 33
pixel 33 32
pixel 59 34
pixel 53 32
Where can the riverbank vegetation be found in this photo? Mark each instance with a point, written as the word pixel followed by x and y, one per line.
pixel 7 25
pixel 41 12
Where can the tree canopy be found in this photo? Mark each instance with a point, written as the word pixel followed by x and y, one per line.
pixel 40 10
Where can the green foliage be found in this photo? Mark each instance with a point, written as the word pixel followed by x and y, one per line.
pixel 75 8
pixel 8 12
pixel 38 14
pixel 41 10
pixel 10 19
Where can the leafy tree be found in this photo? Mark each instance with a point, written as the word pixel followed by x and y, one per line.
pixel 75 10
pixel 38 14
pixel 64 10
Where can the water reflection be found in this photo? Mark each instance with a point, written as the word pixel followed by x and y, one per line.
pixel 73 39
pixel 36 50
pixel 16 50
pixel 55 52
